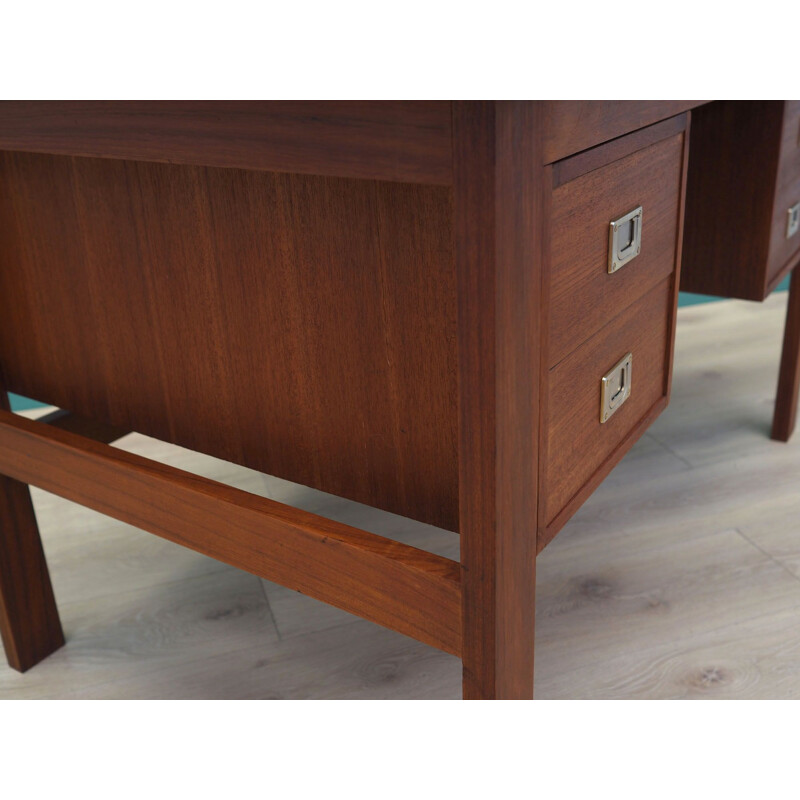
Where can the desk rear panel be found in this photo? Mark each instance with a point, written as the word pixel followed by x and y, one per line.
pixel 302 326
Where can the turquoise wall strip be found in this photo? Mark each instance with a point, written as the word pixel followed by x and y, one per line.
pixel 22 403
pixel 688 299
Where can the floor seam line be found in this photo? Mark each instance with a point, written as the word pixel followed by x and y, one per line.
pixel 768 555
pixel 670 450
pixel 269 608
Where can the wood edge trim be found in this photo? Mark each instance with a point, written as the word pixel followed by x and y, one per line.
pixel 544 360
pixel 607 153
pixel 676 276
pixel 395 585
pixel 547 534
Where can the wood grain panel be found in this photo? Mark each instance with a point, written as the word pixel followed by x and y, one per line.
pixel 583 295
pixel 395 585
pixel 578 443
pixel 574 125
pixel 385 140
pixel 302 326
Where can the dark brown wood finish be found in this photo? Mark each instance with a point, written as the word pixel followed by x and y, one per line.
pixel 735 243
pixel 498 184
pixel 783 422
pixel 574 125
pixel 29 624
pixel 301 326
pixel 382 140
pixel 393 584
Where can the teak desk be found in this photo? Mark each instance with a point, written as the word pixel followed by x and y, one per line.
pixel 459 312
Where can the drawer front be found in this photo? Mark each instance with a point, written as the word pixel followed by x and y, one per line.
pixel 782 247
pixel 579 449
pixel 584 296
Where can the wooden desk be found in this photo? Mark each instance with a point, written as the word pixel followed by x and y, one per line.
pixel 743 207
pixel 412 305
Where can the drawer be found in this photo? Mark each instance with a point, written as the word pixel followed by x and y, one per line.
pixel 783 247
pixel 579 450
pixel 584 296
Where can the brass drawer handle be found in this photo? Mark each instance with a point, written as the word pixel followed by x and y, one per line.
pixel 624 239
pixel 615 387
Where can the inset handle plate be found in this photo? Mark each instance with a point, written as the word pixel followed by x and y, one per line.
pixel 624 239
pixel 615 387
pixel 793 221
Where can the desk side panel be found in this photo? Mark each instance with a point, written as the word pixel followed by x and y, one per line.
pixel 302 326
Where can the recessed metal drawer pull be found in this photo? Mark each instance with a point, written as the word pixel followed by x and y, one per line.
pixel 624 239
pixel 793 222
pixel 615 387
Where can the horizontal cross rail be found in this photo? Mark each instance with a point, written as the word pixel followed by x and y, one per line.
pixel 401 587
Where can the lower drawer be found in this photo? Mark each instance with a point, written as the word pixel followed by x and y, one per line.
pixel 579 449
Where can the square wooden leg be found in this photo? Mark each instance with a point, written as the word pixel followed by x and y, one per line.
pixel 783 422
pixel 29 623
pixel 497 189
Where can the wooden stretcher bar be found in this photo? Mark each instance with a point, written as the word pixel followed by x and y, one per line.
pixel 401 587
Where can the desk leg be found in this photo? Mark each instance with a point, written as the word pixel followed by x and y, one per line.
pixel 785 416
pixel 29 623
pixel 497 212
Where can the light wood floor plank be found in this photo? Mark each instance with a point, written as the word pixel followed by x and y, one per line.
pixel 752 659
pixel 137 637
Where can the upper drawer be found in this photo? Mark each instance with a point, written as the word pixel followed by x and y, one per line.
pixel 783 246
pixel 584 296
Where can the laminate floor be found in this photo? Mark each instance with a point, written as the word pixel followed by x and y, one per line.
pixel 680 578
